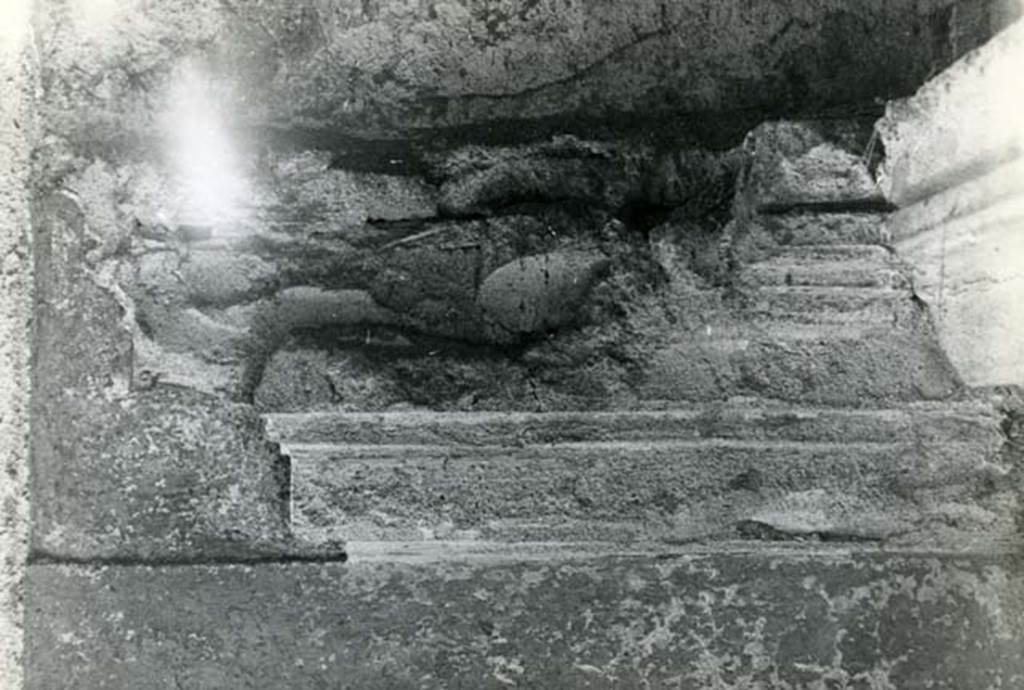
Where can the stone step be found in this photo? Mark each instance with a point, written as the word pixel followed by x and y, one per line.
pixel 785 304
pixel 740 420
pixel 671 475
pixel 856 266
pixel 842 364
pixel 669 491
pixel 825 228
pixel 639 617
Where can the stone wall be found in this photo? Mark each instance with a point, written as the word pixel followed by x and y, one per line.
pixel 420 285
pixel 954 167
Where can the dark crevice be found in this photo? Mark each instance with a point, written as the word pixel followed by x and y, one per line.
pixel 44 558
pixel 857 206
pixel 755 530
pixel 409 151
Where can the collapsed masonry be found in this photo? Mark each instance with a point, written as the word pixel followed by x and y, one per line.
pixel 527 412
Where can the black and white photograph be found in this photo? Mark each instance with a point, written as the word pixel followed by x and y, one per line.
pixel 496 344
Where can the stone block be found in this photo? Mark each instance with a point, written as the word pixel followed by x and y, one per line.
pixel 19 80
pixel 167 475
pixel 799 164
pixel 351 198
pixel 845 364
pixel 671 475
pixel 597 173
pixel 224 277
pixel 538 293
pixel 629 617
pixel 960 125
pixel 966 247
pixel 736 420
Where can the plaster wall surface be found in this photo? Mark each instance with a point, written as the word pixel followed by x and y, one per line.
pixel 954 165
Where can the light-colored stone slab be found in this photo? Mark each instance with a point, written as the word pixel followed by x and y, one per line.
pixel 953 162
pixel 958 126
pixel 966 247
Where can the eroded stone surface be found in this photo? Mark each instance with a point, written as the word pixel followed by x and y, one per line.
pixel 123 465
pixel 539 293
pixel 805 164
pixel 165 475
pixel 681 474
pixel 386 68
pixel 778 619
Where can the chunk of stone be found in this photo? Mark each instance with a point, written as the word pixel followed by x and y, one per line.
pixel 696 181
pixel 295 380
pixel 350 197
pixel 538 293
pixel 225 277
pixel 830 514
pixel 690 252
pixel 563 169
pixel 954 165
pixel 800 164
pixel 165 474
pixel 370 196
pixel 96 189
pixel 307 306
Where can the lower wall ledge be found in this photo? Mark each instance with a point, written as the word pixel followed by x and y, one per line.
pixel 774 617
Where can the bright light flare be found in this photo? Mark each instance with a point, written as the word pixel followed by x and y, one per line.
pixel 205 162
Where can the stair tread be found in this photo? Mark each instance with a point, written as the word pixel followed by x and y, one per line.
pixel 722 421
pixel 691 472
pixel 834 251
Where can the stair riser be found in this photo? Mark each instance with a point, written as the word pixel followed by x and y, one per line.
pixel 872 307
pixel 824 274
pixel 653 490
pixel 888 367
pixel 826 229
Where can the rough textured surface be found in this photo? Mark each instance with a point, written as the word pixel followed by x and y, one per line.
pixel 804 163
pixel 512 205
pixel 804 316
pixel 125 467
pixel 167 475
pixel 673 475
pixel 390 68
pixel 18 73
pixel 779 619
pixel 539 293
pixel 961 124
